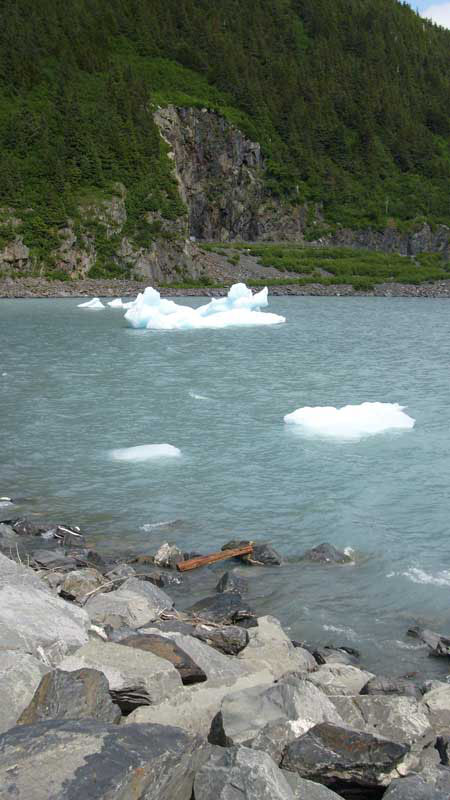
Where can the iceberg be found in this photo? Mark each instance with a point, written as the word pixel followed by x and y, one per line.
pixel 239 307
pixel 117 303
pixel 350 422
pixel 94 305
pixel 146 452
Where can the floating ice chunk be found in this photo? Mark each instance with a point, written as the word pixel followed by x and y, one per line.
pixel 145 452
pixel 117 303
pixel 240 307
pixel 350 422
pixel 94 305
pixel 198 396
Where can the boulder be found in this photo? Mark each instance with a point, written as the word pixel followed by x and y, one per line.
pixel 340 679
pixel 196 707
pixel 336 655
pixel 241 772
pixel 135 677
pixel 437 704
pixel 222 608
pixel 53 560
pixel 326 553
pixel 229 639
pixel 35 621
pixel 134 604
pixel 80 583
pixel 119 573
pixel 165 648
pixel 27 527
pixel 89 558
pixel 158 577
pixel 391 686
pixel 231 582
pixel 68 759
pixel 243 715
pixel 400 719
pixel 439 645
pixel 269 647
pixel 342 757
pixel 308 790
pixel 20 675
pixel 82 694
pixel 8 538
pixel 168 555
pixel 413 787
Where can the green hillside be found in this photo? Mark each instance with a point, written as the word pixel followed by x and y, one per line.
pixel 349 99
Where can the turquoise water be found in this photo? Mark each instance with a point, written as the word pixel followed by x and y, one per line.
pixel 79 384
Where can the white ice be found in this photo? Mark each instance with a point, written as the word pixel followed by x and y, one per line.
pixel 117 303
pixel 240 307
pixel 94 305
pixel 350 422
pixel 146 452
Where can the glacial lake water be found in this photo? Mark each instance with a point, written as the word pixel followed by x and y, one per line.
pixel 76 384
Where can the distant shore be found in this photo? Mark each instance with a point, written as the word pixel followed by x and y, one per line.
pixel 41 288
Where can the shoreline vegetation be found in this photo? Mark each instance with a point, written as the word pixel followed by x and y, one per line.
pixel 121 694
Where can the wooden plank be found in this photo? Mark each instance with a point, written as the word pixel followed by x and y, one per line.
pixel 202 561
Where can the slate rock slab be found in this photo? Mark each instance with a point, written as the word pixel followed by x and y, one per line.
pixel 90 760
pixel 400 719
pixel 227 607
pixel 339 679
pixel 163 647
pixel 229 639
pixel 241 773
pixel 391 686
pixel 135 677
pixel 331 754
pixel 20 675
pixel 413 787
pixel 82 694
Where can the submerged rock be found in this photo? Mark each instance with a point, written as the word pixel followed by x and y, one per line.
pixel 165 648
pixel 82 694
pixel 230 582
pixel 68 759
pixel 439 645
pixel 335 755
pixel 326 554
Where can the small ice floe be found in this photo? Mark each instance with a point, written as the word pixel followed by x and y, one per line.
pixel 146 452
pixel 5 502
pixel 350 422
pixel 198 396
pixel 94 305
pixel 117 303
pixel 4 374
pixel 239 308
pixel 150 526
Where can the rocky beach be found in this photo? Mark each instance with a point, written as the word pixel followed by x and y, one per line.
pixel 109 689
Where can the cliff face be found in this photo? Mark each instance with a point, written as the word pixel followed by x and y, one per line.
pixel 220 175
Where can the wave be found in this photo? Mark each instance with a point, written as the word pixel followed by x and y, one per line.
pixel 198 396
pixel 348 632
pixel 417 575
pixel 150 526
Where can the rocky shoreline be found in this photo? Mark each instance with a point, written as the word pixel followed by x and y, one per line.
pixel 107 690
pixel 41 288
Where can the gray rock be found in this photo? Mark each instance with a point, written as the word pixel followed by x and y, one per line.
pixel 80 583
pixel 135 677
pixel 120 573
pixel 8 538
pixel 439 645
pixel 163 647
pixel 89 558
pixel 270 648
pixel 133 605
pixel 229 639
pixel 263 553
pixel 226 608
pixel 308 790
pixel 400 719
pixel 168 555
pixel 239 772
pixel 243 715
pixel 82 694
pixel 196 707
pixel 20 675
pixel 53 559
pixel 437 704
pixel 413 787
pixel 391 686
pixel 336 679
pixel 27 527
pixel 326 554
pixel 333 755
pixel 35 621
pixel 231 582
pixel 336 655
pixel 74 759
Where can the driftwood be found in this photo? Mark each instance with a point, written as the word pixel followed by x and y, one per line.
pixel 202 561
